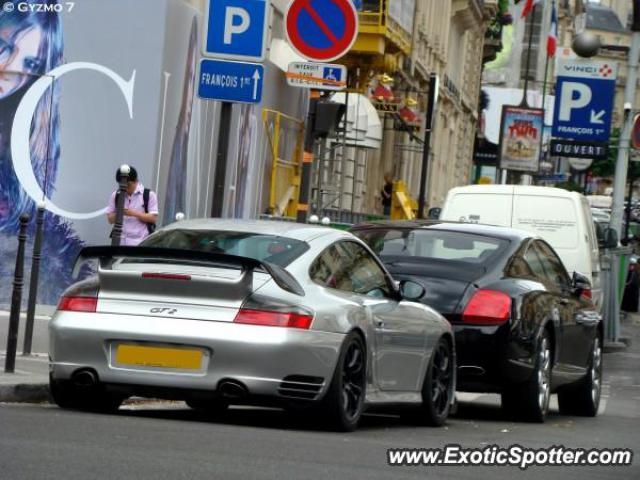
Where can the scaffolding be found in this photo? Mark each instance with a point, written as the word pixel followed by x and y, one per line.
pixel 285 136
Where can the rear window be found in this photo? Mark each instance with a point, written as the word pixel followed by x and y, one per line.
pixel 488 209
pixel 432 244
pixel 553 218
pixel 269 248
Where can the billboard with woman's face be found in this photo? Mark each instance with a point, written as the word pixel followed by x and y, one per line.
pixel 70 116
pixel 31 45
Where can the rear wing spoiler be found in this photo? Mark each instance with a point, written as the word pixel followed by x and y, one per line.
pixel 108 255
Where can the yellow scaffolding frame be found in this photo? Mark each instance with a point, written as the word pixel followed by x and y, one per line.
pixel 286 141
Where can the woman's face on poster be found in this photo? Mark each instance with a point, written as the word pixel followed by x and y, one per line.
pixel 18 54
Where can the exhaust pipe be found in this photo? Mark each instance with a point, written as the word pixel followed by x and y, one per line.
pixel 232 389
pixel 85 379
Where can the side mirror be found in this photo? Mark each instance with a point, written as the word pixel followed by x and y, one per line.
pixel 581 283
pixel 610 238
pixel 434 213
pixel 411 291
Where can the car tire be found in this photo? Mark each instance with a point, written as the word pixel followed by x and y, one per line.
pixel 529 401
pixel 343 403
pixel 62 393
pixel 583 398
pixel 211 407
pixel 438 389
pixel 96 399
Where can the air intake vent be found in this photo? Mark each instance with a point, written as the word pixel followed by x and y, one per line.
pixel 301 387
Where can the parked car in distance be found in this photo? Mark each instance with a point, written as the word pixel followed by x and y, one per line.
pixel 218 312
pixel 523 326
pixel 560 217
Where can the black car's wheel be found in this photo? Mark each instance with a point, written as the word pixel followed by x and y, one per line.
pixel 211 406
pixel 530 401
pixel 68 396
pixel 437 390
pixel 344 401
pixel 583 398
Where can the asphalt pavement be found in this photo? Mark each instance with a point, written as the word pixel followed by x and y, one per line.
pixel 167 440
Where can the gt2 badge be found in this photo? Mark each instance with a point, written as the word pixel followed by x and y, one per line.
pixel 166 311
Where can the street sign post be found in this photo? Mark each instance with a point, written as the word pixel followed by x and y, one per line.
pixel 231 81
pixel 321 30
pixel 236 30
pixel 320 76
pixel 584 105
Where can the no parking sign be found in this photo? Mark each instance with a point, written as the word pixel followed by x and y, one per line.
pixel 321 30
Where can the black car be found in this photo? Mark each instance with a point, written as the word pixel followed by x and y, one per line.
pixel 523 327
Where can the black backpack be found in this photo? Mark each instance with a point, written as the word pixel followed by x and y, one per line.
pixel 151 227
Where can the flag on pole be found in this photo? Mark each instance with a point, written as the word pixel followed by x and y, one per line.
pixel 528 7
pixel 552 40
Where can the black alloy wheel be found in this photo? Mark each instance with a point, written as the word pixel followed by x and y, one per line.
pixel 344 402
pixel 438 388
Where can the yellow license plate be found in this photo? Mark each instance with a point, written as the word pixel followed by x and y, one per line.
pixel 159 357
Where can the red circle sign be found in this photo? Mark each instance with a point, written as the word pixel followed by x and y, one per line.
pixel 635 135
pixel 321 30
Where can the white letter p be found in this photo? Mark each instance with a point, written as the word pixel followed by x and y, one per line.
pixel 229 28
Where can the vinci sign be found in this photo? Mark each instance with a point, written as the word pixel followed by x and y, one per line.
pixel 585 92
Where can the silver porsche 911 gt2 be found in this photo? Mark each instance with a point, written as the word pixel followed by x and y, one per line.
pixel 218 312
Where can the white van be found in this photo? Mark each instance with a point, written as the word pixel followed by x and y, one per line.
pixel 560 217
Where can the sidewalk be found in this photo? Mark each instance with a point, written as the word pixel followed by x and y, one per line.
pixel 30 382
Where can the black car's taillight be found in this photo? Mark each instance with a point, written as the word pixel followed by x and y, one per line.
pixel 487 307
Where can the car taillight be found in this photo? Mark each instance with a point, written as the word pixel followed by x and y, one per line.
pixel 78 304
pixel 487 307
pixel 249 316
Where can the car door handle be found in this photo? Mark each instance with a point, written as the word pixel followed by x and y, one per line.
pixel 379 323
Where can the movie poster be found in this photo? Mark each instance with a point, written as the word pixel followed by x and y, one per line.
pixel 521 138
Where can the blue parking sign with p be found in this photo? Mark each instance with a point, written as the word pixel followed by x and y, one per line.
pixel 236 29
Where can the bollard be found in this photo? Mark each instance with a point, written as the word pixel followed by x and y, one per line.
pixel 33 281
pixel 16 298
pixel 116 233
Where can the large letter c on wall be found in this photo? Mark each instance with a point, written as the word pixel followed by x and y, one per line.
pixel 20 146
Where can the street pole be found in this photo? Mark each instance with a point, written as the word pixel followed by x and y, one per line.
pixel 624 144
pixel 307 160
pixel 217 207
pixel 33 282
pixel 433 85
pixel 116 234
pixel 16 298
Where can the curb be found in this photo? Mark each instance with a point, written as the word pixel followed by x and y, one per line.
pixel 25 393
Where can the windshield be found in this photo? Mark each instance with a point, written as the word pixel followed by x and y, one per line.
pixel 432 244
pixel 269 248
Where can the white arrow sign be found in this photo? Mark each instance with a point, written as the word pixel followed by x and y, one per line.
pixel 256 79
pixel 597 118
